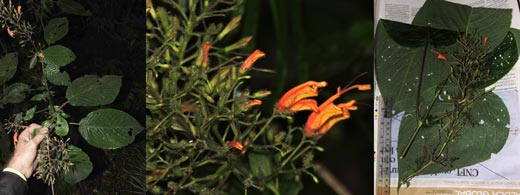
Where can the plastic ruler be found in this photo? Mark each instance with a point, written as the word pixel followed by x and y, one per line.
pixel 384 146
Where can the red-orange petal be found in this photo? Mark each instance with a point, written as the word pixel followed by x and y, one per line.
pixel 19 9
pixel 235 144
pixel 11 33
pixel 294 95
pixel 306 104
pixel 440 55
pixel 251 103
pixel 485 40
pixel 206 48
pixel 257 54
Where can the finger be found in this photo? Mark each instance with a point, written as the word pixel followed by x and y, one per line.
pixel 29 130
pixel 38 138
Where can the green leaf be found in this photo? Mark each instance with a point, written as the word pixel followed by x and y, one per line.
pixel 398 67
pixel 490 22
pixel 72 7
pixel 29 114
pixel 502 59
pixel 261 164
pixel 38 97
pixel 55 30
pixel 91 90
pixel 62 126
pixel 109 128
pixel 15 93
pixel 58 55
pixel 53 74
pixel 8 67
pixel 82 166
pixel 473 144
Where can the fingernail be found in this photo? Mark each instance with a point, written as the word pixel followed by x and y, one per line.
pixel 44 130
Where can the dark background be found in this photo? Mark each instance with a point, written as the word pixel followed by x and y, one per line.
pixel 322 41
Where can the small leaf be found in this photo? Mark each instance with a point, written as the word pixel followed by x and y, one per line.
pixel 58 55
pixel 91 90
pixel 82 166
pixel 53 74
pixel 109 128
pixel 15 93
pixel 62 126
pixel 29 114
pixel 38 97
pixel 55 30
pixel 8 67
pixel 72 7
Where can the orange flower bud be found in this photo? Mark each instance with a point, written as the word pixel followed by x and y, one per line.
pixel 485 40
pixel 440 55
pixel 206 48
pixel 19 9
pixel 252 103
pixel 257 54
pixel 329 114
pixel 11 33
pixel 293 100
pixel 235 144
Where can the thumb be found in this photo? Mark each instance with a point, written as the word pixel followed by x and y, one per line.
pixel 38 138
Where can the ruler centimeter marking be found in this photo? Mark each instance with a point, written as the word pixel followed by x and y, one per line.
pixel 384 147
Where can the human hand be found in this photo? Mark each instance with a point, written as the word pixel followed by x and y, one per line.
pixel 24 157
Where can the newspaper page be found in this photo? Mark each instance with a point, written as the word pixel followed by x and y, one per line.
pixel 500 175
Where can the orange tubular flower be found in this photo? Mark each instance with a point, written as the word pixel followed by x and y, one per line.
pixel 485 40
pixel 257 54
pixel 252 103
pixel 329 114
pixel 206 52
pixel 440 56
pixel 293 100
pixel 235 144
pixel 10 32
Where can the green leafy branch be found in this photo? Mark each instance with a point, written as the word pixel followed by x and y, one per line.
pixel 106 128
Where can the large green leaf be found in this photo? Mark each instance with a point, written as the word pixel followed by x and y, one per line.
pixel 82 166
pixel 55 30
pixel 473 144
pixel 109 128
pixel 15 93
pixel 8 66
pixel 72 7
pixel 493 23
pixel 58 55
pixel 91 90
pixel 398 67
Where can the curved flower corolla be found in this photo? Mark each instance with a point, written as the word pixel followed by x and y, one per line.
pixel 257 54
pixel 294 99
pixel 328 113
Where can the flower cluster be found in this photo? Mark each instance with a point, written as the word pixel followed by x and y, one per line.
pixel 323 117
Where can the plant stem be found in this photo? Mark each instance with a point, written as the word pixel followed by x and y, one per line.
pixel 410 141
